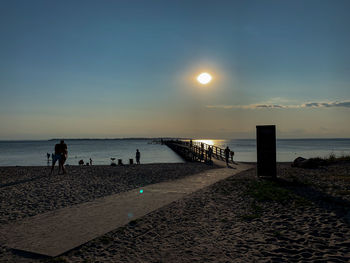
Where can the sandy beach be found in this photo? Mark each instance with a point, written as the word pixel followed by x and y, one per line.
pixel 28 191
pixel 302 217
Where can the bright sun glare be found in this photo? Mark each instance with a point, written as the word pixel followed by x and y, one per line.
pixel 204 78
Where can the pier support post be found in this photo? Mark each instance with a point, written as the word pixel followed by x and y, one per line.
pixel 266 150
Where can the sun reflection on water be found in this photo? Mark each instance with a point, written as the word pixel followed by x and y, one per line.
pixel 210 142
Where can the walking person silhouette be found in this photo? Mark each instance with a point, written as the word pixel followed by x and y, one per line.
pixel 138 156
pixel 227 155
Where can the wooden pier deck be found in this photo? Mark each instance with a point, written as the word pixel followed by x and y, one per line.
pixel 197 151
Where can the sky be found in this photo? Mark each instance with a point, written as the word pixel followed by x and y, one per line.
pixel 114 69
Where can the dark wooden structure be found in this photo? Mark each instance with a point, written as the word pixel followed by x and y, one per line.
pixel 195 151
pixel 266 150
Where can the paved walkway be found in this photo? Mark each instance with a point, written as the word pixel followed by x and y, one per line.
pixel 56 232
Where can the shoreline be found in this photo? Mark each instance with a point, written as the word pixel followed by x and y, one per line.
pixel 124 165
pixel 34 154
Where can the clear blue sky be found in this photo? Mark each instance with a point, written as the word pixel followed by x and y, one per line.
pixel 128 68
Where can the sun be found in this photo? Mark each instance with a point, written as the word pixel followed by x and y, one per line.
pixel 204 78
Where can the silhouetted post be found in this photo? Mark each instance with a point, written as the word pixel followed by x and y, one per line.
pixel 266 150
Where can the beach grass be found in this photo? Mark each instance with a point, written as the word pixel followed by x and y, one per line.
pixel 332 159
pixel 268 191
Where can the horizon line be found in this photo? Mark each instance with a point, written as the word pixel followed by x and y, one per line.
pixel 158 138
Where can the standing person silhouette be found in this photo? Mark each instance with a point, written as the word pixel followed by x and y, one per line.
pixel 48 159
pixel 56 157
pixel 64 155
pixel 227 154
pixel 210 152
pixel 232 154
pixel 138 156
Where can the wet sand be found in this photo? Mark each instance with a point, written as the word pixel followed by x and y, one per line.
pixel 303 217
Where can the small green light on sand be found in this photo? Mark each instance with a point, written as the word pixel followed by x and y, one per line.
pixel 141 191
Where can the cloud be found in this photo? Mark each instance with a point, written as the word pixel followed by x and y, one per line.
pixel 270 106
pixel 251 106
pixel 344 104
pixel 334 104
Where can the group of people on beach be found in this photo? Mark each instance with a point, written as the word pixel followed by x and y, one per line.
pixel 60 155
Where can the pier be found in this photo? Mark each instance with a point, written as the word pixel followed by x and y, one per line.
pixel 196 151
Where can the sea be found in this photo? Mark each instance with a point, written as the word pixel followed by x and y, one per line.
pixel 101 151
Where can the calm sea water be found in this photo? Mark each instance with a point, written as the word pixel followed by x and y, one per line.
pixel 100 151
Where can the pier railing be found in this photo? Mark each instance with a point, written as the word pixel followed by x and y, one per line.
pixel 196 151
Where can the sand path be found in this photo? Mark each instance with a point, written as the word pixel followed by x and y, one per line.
pixel 56 232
